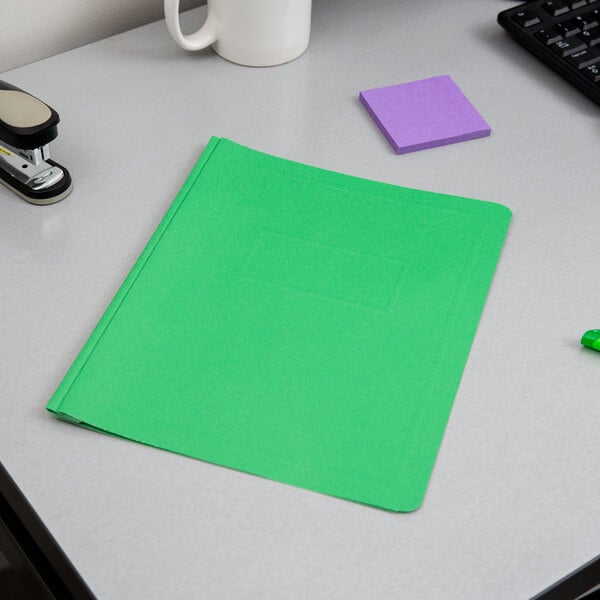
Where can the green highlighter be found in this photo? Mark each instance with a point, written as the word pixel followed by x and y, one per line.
pixel 591 339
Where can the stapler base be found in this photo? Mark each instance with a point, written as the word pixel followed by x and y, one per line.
pixel 49 195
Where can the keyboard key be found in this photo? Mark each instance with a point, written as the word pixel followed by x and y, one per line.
pixel 574 4
pixel 548 36
pixel 591 37
pixel 592 72
pixel 555 8
pixel 568 28
pixel 587 21
pixel 593 15
pixel 584 58
pixel 568 47
pixel 526 18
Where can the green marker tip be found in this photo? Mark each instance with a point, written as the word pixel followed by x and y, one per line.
pixel 591 339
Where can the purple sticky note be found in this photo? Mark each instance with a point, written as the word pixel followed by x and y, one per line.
pixel 424 114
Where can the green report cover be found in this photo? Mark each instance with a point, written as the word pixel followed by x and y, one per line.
pixel 295 323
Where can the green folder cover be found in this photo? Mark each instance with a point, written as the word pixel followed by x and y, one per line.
pixel 299 324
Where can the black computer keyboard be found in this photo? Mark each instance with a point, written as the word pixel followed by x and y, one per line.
pixel 565 34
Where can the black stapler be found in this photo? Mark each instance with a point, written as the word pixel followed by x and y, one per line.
pixel 27 126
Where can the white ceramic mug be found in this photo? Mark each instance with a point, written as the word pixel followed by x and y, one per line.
pixel 256 33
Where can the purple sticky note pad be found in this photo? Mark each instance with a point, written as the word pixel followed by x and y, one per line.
pixel 424 114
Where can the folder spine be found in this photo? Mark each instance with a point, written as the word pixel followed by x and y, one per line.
pixel 63 389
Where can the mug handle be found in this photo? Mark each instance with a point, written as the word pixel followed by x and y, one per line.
pixel 204 37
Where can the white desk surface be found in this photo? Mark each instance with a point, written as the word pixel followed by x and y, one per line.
pixel 514 500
